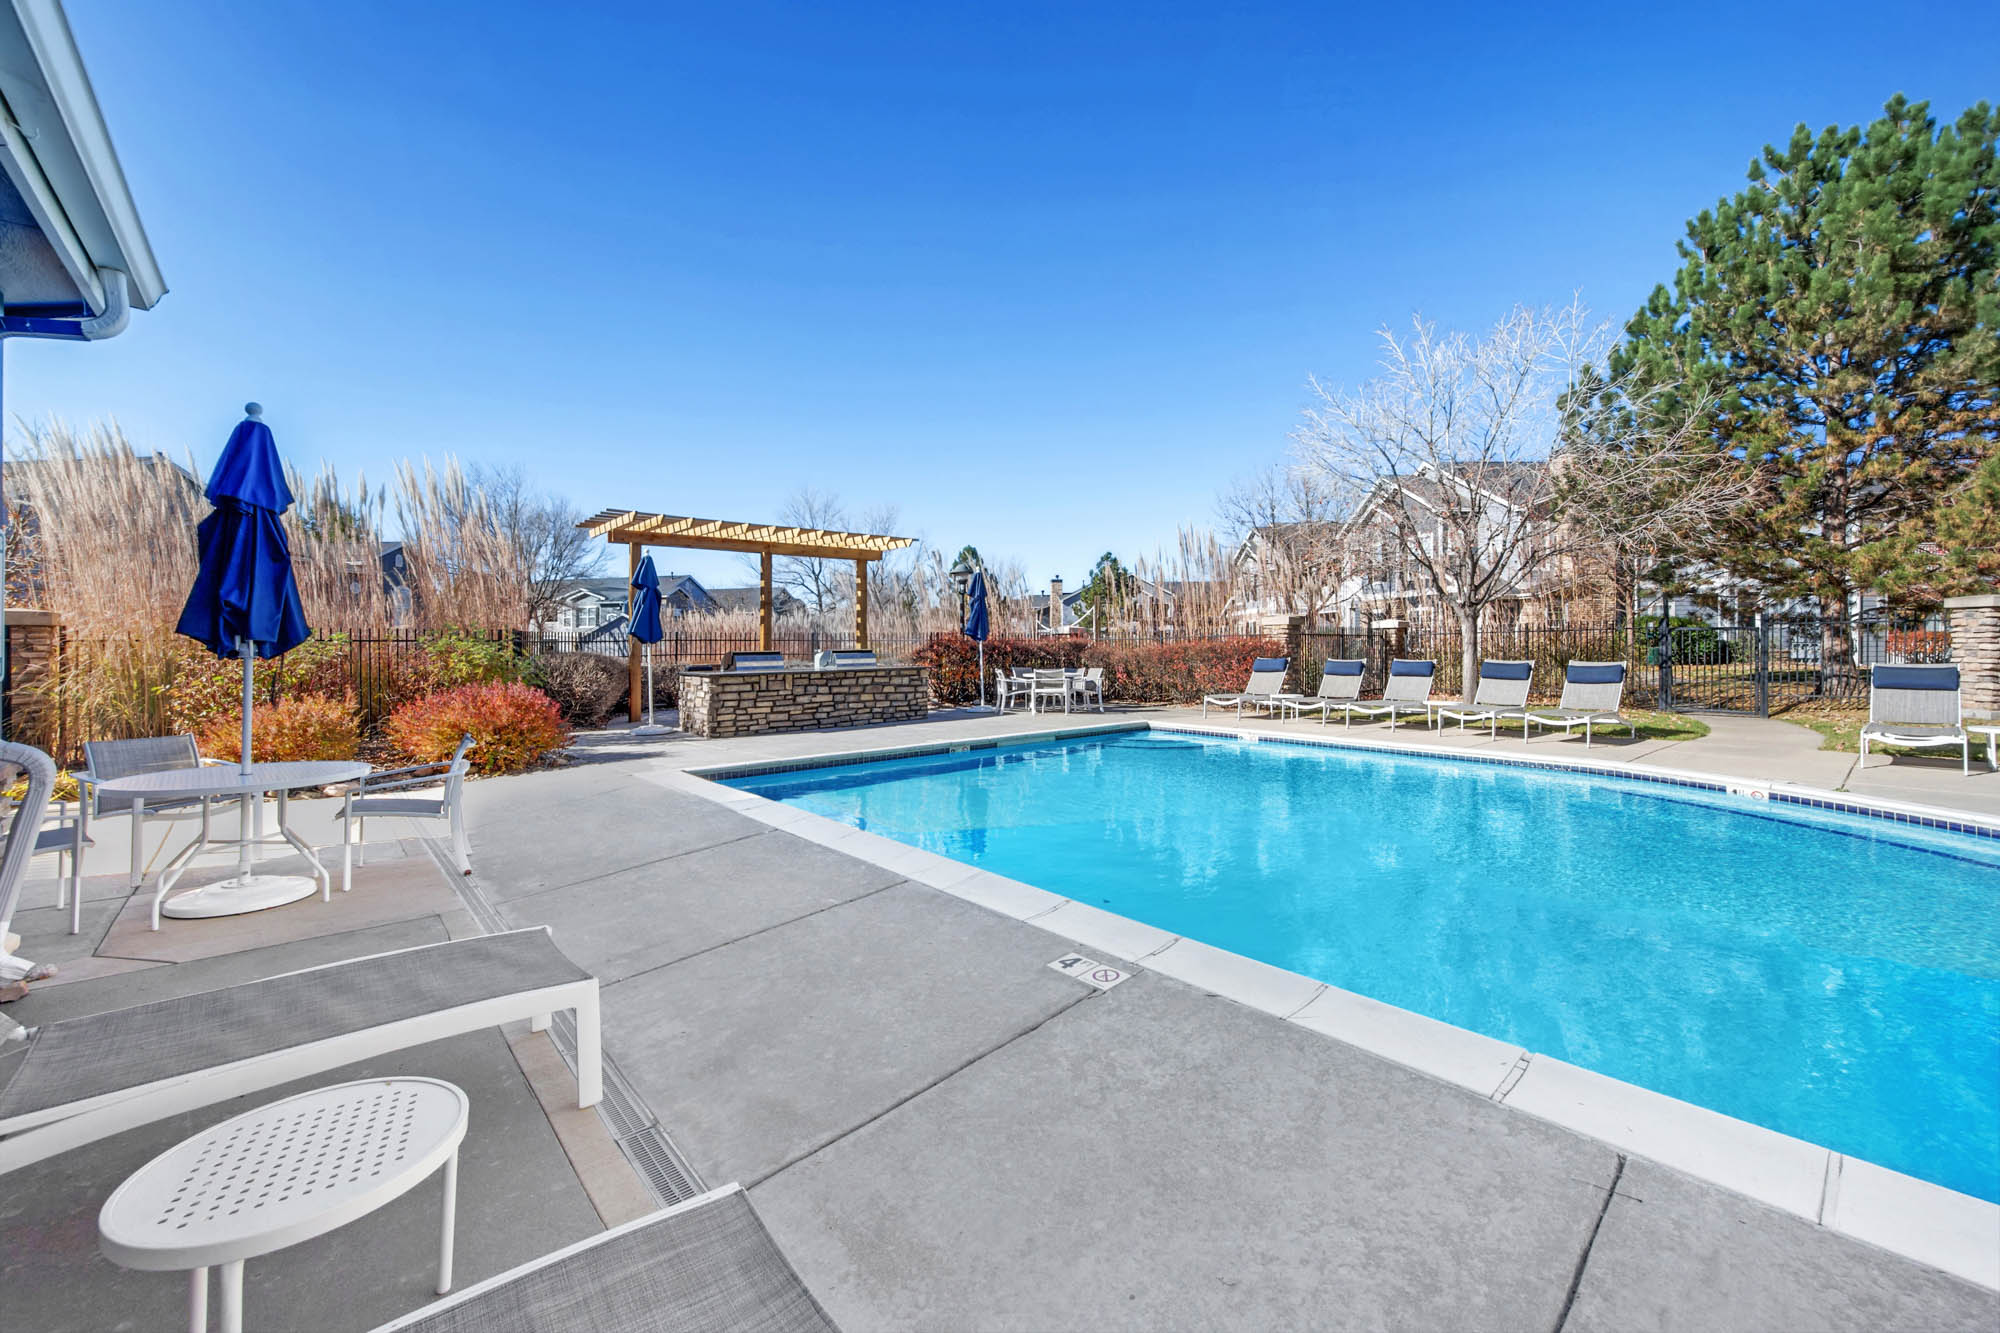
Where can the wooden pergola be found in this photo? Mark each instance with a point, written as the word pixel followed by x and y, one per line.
pixel 636 531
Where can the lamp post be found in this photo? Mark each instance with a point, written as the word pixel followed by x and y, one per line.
pixel 961 579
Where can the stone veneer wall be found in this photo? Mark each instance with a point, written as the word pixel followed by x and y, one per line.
pixel 34 641
pixel 751 703
pixel 1975 646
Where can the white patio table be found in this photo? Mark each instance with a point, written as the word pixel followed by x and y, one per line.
pixel 245 891
pixel 282 1174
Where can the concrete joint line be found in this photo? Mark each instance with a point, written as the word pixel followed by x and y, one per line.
pixel 901 1102
pixel 1309 999
pixel 1512 1078
pixel 641 865
pixel 776 925
pixel 1829 1194
pixel 1583 1260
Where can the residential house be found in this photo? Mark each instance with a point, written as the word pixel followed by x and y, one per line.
pixel 595 608
pixel 747 601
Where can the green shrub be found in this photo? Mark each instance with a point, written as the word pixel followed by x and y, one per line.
pixel 585 686
pixel 1696 642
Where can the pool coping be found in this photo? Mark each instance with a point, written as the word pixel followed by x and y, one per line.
pixel 1907 1216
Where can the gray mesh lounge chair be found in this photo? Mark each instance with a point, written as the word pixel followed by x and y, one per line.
pixel 1408 691
pixel 83 1079
pixel 1502 694
pixel 704 1266
pixel 1591 694
pixel 1916 706
pixel 1267 677
pixel 106 760
pixel 1339 683
pixel 369 797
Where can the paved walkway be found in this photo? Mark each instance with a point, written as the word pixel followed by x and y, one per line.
pixel 943 1133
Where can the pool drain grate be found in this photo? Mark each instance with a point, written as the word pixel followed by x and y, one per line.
pixel 633 1126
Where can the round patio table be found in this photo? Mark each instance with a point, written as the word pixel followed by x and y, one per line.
pixel 282 1174
pixel 246 890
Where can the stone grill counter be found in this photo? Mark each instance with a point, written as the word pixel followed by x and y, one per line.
pixel 752 703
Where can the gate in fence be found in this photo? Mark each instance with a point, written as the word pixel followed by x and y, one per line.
pixel 1769 666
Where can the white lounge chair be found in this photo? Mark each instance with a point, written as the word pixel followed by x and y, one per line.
pixel 1267 677
pixel 1502 694
pixel 1591 694
pixel 82 1079
pixel 106 760
pixel 1408 691
pixel 704 1266
pixel 1917 706
pixel 1339 683
pixel 368 798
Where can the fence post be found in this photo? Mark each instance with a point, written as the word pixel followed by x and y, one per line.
pixel 1763 667
pixel 1665 649
pixel 1295 653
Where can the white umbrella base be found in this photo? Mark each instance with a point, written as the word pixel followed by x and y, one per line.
pixel 651 729
pixel 239 894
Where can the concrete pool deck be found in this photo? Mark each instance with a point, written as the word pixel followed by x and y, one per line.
pixel 943 1132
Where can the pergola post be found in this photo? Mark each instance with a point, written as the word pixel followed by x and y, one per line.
pixel 632 670
pixel 861 604
pixel 764 601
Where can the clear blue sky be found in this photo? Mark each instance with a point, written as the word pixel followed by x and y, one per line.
pixel 1044 276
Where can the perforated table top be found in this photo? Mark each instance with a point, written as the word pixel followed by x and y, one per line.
pixel 282 1173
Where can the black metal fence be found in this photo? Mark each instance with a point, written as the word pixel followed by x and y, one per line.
pixel 1760 668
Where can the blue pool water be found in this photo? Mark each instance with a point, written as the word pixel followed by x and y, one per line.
pixel 1832 977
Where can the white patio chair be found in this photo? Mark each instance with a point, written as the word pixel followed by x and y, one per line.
pixel 23 835
pixel 1049 683
pixel 1502 694
pixel 66 839
pixel 367 799
pixel 1007 689
pixel 79 1080
pixel 1267 677
pixel 704 1266
pixel 1408 691
pixel 1339 683
pixel 1591 694
pixel 1088 688
pixel 1916 706
pixel 106 760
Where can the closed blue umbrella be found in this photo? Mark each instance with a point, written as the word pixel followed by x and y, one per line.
pixel 978 624
pixel 245 602
pixel 643 624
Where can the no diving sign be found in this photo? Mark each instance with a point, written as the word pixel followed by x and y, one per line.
pixel 1089 971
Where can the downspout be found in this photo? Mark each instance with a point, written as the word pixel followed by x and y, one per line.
pixel 117 307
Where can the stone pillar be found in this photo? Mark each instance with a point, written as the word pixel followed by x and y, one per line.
pixel 33 640
pixel 1295 650
pixel 1975 647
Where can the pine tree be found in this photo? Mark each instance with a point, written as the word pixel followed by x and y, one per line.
pixel 1842 311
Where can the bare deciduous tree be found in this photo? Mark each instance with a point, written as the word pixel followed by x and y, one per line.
pixel 1447 450
pixel 821 584
pixel 552 552
pixel 1289 526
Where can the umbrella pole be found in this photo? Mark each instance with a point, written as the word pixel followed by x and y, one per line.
pixel 982 675
pixel 252 801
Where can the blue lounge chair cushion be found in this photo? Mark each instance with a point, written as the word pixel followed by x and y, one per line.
pixel 1595 673
pixel 1271 664
pixel 1506 670
pixel 1916 678
pixel 1340 666
pixel 1407 666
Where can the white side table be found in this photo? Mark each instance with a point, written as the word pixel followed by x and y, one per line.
pixel 282 1174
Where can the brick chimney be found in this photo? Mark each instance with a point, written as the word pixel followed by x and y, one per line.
pixel 1055 602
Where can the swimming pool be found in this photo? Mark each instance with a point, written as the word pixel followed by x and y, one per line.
pixel 1829 976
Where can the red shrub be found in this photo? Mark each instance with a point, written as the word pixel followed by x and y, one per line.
pixel 951 662
pixel 1919 645
pixel 1134 672
pixel 515 725
pixel 1176 672
pixel 301 727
